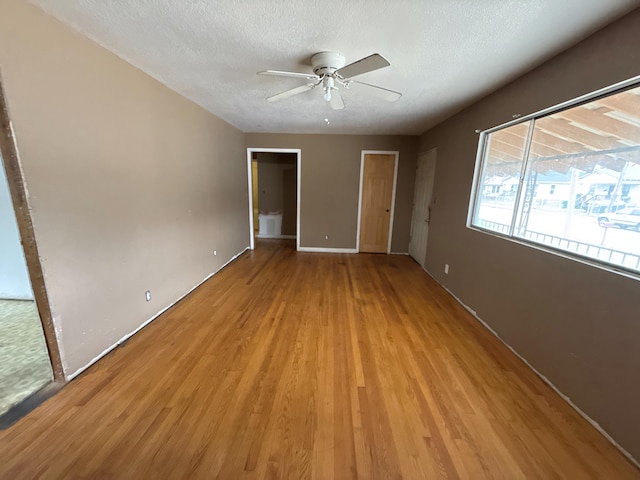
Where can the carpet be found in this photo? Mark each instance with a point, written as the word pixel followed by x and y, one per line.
pixel 24 360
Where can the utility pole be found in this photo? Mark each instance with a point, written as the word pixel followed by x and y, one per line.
pixel 618 188
pixel 571 203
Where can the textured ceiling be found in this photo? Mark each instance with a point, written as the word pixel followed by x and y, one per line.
pixel 444 54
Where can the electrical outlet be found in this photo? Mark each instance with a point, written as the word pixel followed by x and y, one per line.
pixel 446 269
pixel 147 295
pixel 215 252
pixel 326 237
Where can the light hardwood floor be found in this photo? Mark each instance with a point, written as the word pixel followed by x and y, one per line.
pixel 291 365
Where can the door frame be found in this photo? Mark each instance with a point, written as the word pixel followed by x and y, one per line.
pixel 298 153
pixel 15 179
pixel 396 154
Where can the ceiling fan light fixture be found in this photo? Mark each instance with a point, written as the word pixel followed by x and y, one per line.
pixel 328 85
pixel 329 72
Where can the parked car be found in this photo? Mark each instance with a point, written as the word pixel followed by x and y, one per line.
pixel 625 218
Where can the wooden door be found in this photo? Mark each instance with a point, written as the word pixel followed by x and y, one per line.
pixel 377 197
pixel 421 215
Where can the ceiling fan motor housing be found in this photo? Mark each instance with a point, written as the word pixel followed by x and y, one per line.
pixel 326 63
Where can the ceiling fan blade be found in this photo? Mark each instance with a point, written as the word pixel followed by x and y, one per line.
pixel 364 65
pixel 277 73
pixel 336 101
pixel 381 92
pixel 290 93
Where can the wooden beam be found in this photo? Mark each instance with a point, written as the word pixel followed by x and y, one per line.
pixel 561 128
pixel 513 151
pixel 597 119
pixel 546 136
pixel 511 141
pixel 539 150
pixel 625 102
pixel 514 138
pixel 557 143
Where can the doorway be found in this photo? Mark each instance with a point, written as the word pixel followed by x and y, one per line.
pixel 422 197
pixel 274 193
pixel 378 176
pixel 24 360
pixel 29 355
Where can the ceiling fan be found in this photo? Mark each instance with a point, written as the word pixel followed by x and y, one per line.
pixel 330 72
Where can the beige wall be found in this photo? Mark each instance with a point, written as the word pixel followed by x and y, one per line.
pixel 272 190
pixel 289 200
pixel 132 187
pixel 577 324
pixel 277 186
pixel 330 181
pixel 269 187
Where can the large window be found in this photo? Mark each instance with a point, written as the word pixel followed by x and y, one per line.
pixel 568 180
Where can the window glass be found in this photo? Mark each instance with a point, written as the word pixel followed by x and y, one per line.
pixel 580 190
pixel 502 166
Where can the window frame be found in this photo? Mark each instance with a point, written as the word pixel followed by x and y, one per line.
pixel 483 143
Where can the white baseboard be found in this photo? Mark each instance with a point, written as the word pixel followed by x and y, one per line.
pixel 595 424
pixel 398 253
pixel 147 322
pixel 327 250
pixel 288 237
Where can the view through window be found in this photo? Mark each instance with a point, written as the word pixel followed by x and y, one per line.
pixel 569 180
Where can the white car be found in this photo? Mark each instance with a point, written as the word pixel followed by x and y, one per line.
pixel 625 218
